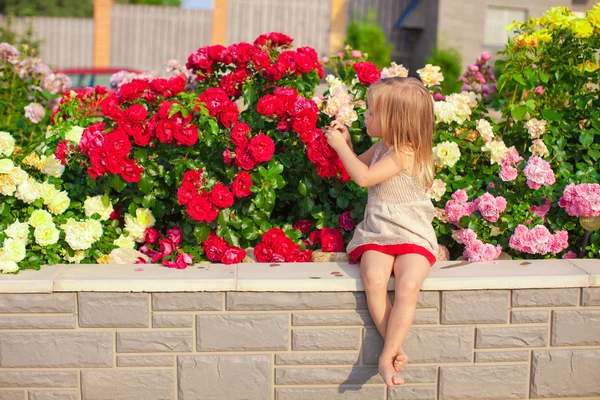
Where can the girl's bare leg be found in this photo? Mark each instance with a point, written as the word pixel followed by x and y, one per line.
pixel 410 271
pixel 375 272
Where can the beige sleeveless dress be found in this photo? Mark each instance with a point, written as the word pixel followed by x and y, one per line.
pixel 398 218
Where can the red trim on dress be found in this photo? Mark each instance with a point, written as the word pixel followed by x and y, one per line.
pixel 394 249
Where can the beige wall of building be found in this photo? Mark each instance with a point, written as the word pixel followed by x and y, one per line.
pixel 462 23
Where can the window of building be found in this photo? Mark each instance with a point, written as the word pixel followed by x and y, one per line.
pixel 496 21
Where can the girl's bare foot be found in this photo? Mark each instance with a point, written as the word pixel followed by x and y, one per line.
pixel 400 362
pixel 389 375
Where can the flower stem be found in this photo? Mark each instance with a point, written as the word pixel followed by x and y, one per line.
pixel 584 244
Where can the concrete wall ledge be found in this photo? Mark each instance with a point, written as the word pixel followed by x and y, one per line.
pixel 297 277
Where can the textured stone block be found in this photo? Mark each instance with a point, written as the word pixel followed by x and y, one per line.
pixel 154 342
pixel 172 321
pixel 425 345
pixel 242 301
pixel 229 332
pixel 412 393
pixel 576 328
pixel 37 303
pixel 57 379
pixel 426 318
pixel 52 395
pixel 529 316
pixel 484 382
pixel 226 377
pixel 145 361
pixel 526 336
pixel 347 375
pixel 545 297
pixel 342 393
pixel 56 350
pixel 565 373
pixel 113 310
pixel 475 307
pixel 590 297
pixel 12 395
pixel 360 318
pixel 317 359
pixel 37 322
pixel 127 385
pixel 501 356
pixel 326 339
pixel 187 301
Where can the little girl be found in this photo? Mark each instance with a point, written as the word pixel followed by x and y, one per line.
pixel 396 235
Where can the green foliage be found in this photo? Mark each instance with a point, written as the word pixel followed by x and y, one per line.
pixel 450 62
pixel 366 35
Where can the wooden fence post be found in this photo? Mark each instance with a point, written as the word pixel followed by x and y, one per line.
pixel 219 23
pixel 102 30
pixel 337 31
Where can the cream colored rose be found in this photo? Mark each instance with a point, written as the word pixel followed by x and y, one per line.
pixel 77 256
pixel 8 267
pixel 437 189
pixel 7 186
pixel 6 165
pixel 497 150
pixel 77 234
pixel 394 70
pixel 95 205
pixel 28 191
pixel 539 148
pixel 46 234
pixel 535 127
pixel 48 191
pixel 485 130
pixel 14 250
pixel 32 160
pixel 74 135
pixel 18 230
pixel 18 176
pixel 430 75
pixel 125 242
pixel 144 217
pixel 59 203
pixel 134 228
pixel 7 144
pixel 39 218
pixel 52 166
pixel 446 154
pixel 95 228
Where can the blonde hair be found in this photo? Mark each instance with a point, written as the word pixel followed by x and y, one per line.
pixel 407 122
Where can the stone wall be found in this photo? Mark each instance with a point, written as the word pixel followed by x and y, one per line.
pixel 481 344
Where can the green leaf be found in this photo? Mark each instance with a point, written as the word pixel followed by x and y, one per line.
pixel 302 188
pixel 214 127
pixel 275 169
pixel 551 115
pixel 265 226
pixel 530 104
pixel 519 78
pixel 250 232
pixel 146 183
pixel 224 217
pixel 342 202
pixel 530 74
pixel 518 112
pixel 586 138
pixel 201 233
pixel 501 82
pixel 117 183
pixel 595 154
pixel 544 77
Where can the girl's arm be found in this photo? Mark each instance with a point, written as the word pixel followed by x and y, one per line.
pixel 367 156
pixel 360 173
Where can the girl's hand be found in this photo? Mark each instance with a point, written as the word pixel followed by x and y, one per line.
pixel 335 138
pixel 343 130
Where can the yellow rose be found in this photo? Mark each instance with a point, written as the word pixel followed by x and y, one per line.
pixel 7 186
pixel 14 250
pixel 144 217
pixel 7 144
pixel 59 203
pixel 95 205
pixel 18 176
pixel 103 259
pixel 430 75
pixel 18 230
pixel 48 192
pixel 581 28
pixel 32 160
pixel 74 135
pixel 46 234
pixel 6 165
pixel 593 16
pixel 446 153
pixel 542 35
pixel 588 66
pixel 95 228
pixel 39 218
pixel 124 242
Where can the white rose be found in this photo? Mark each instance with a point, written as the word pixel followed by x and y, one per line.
pixel 28 191
pixel 77 257
pixel 59 203
pixel 18 230
pixel 485 130
pixel 95 205
pixel 535 128
pixel 8 267
pixel 46 234
pixel 74 135
pixel 39 218
pixel 134 228
pixel 14 250
pixel 48 191
pixel 7 144
pixel 125 242
pixel 394 70
pixel 6 165
pixel 95 228
pixel 18 176
pixel 430 75
pixel 446 153
pixel 497 149
pixel 437 189
pixel 77 234
pixel 52 166
pixel 539 149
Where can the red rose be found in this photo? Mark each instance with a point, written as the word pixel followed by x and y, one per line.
pixel 92 138
pixel 221 197
pixel 214 99
pixel 143 137
pixel 283 126
pixel 229 114
pixel 200 60
pixel 117 143
pixel 110 107
pixel 260 59
pixel 151 235
pixel 230 85
pixel 131 171
pixel 309 136
pixel 267 105
pixel 367 72
pixel 241 184
pixel 263 253
pixel 303 63
pixel 176 84
pixel 275 39
pixel 301 103
pixel 115 163
pixel 215 52
pixel 239 133
pixel 95 172
pixel 310 52
pixel 243 158
pixel 136 113
pixel 261 148
pixel 165 109
pixel 183 260
pixel 166 247
pixel 62 149
pixel 306 120
pixel 166 131
pixel 175 234
pixel 278 258
pixel 346 222
pixel 159 85
pixel 304 256
pixel 214 247
pixel 303 225
pixel 283 245
pixel 315 237
pixel 332 240
pixel 129 127
pixel 187 136
pixel 233 255
pixel 199 208
pixel 227 157
pixel 278 70
pixel 186 193
pixel 132 90
pixel 269 236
